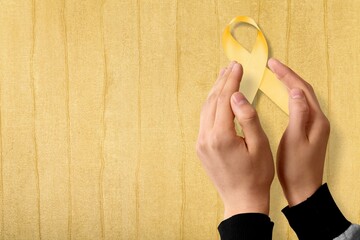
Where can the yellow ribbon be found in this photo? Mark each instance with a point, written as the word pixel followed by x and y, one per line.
pixel 256 75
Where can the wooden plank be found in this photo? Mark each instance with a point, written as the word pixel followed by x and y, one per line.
pixel 198 51
pixel 159 189
pixel 123 109
pixel 19 155
pixel 87 94
pixel 342 22
pixel 52 119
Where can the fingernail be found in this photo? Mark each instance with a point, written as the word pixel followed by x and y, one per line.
pixel 222 71
pixel 236 67
pixel 239 99
pixel 296 93
pixel 232 64
pixel 272 63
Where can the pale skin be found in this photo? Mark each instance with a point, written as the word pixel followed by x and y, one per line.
pixel 242 168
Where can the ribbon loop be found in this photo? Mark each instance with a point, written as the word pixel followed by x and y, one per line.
pixel 256 75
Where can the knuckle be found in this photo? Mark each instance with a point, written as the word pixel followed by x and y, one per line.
pixel 249 114
pixel 309 87
pixel 302 107
pixel 222 98
pixel 201 145
pixel 286 74
pixel 203 108
pixel 304 85
pixel 215 141
pixel 325 125
pixel 219 140
pixel 212 97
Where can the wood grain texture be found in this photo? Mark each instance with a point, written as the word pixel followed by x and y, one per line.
pixel 100 104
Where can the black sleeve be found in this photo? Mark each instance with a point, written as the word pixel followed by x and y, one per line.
pixel 318 217
pixel 246 226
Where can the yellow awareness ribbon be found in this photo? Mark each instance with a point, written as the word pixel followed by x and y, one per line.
pixel 256 75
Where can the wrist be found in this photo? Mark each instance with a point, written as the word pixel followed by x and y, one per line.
pixel 247 204
pixel 298 195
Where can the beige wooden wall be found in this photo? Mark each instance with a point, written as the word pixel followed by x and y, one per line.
pixel 100 105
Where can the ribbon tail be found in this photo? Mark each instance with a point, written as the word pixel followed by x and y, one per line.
pixel 275 90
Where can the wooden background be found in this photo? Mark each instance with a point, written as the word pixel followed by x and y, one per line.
pixel 100 110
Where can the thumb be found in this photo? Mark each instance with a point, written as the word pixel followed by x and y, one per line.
pixel 298 112
pixel 248 120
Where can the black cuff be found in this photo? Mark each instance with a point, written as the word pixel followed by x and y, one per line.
pixel 318 217
pixel 246 226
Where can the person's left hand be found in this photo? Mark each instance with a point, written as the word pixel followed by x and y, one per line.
pixel 242 169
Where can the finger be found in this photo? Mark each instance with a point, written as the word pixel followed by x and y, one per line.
pixel 221 73
pixel 292 80
pixel 248 119
pixel 224 115
pixel 210 104
pixel 220 82
pixel 298 113
pixel 208 110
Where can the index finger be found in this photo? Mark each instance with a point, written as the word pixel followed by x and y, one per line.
pixel 224 114
pixel 292 80
pixel 317 119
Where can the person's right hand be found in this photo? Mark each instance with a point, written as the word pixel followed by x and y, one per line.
pixel 302 149
pixel 241 168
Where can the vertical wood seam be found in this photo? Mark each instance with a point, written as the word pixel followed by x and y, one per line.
pixel 216 3
pixel 257 96
pixel 259 9
pixel 68 120
pixel 138 162
pixel 288 28
pixel 105 92
pixel 1 170
pixel 32 85
pixel 328 79
pixel 183 159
